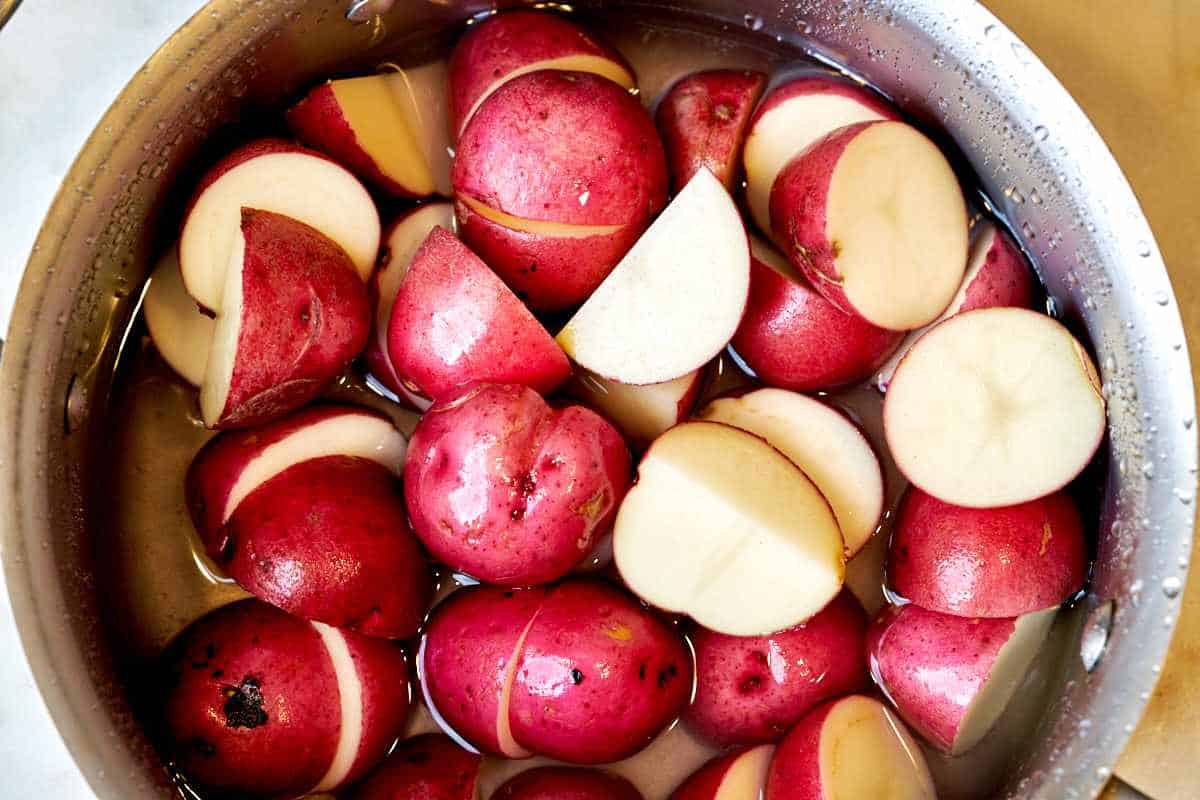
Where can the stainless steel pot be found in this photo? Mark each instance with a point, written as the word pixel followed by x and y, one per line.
pixel 952 64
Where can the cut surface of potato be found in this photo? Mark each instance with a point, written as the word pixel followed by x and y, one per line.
pixel 180 331
pixel 724 528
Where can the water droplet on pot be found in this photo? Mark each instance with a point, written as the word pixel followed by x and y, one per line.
pixel 1095 635
pixel 1148 469
pixel 192 85
pixel 753 22
pixel 1041 133
pixel 1172 586
pixel 991 32
pixel 1035 198
pixel 1188 422
pixel 1028 230
pixel 1143 248
pixel 1161 298
pixel 1184 496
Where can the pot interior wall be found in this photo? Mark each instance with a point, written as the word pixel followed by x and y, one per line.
pixel 959 70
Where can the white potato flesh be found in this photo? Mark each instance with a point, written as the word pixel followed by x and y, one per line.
pixel 180 331
pixel 865 751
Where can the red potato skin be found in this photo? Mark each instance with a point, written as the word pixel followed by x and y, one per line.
pixel 506 42
pixel 470 643
pixel 509 490
pixel 305 316
pixel 428 767
pixel 455 323
pixel 328 540
pixel 247 683
pixel 318 121
pixel 752 689
pixel 1004 280
pixel 794 338
pixel 702 120
pixel 704 783
pixel 545 138
pixel 219 463
pixel 932 665
pixel 795 771
pixel 547 272
pixel 599 676
pixel 566 783
pixel 798 212
pixel 987 562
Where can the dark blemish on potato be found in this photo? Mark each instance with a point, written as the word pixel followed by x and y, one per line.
pixel 509 593
pixel 304 315
pixel 203 747
pixel 576 677
pixel 218 673
pixel 664 677
pixel 419 757
pixel 518 514
pixel 642 672
pixel 759 656
pixel 244 704
pixel 749 684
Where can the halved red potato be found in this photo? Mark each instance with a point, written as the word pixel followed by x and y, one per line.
pixel 702 120
pixel 278 176
pixel 997 275
pixel 793 338
pixel 427 767
pixel 328 540
pixel 675 299
pixel 598 677
pixel 830 449
pixel 454 323
pixel 952 677
pixel 262 703
pixel 724 528
pixel 511 44
pixel 849 749
pixel 739 775
pixel 233 464
pixel 873 216
pixel 401 242
pixel 792 117
pixel 566 783
pixel 553 221
pixel 753 689
pixel 509 490
pixel 994 407
pixel 468 661
pixel 987 562
pixel 371 127
pixel 181 332
pixel 641 413
pixel 294 315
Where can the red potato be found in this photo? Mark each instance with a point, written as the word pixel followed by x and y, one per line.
pixel 724 528
pixel 233 464
pixel 468 662
pixel 849 749
pixel 997 275
pixel 702 120
pixel 566 783
pixel 281 177
pixel 260 702
pixel 455 323
pixel 739 775
pixel 551 265
pixel 401 242
pixel 994 407
pixel 675 299
pixel 792 117
pixel 365 125
pixel 599 676
pixel 642 413
pixel 181 332
pixel 294 316
pixel 428 767
pixel 987 562
pixel 873 216
pixel 951 677
pixel 509 490
pixel 508 45
pixel 793 338
pixel 830 449
pixel 328 540
pixel 554 220
pixel 753 689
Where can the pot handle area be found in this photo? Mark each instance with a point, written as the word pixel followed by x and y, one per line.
pixel 358 11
